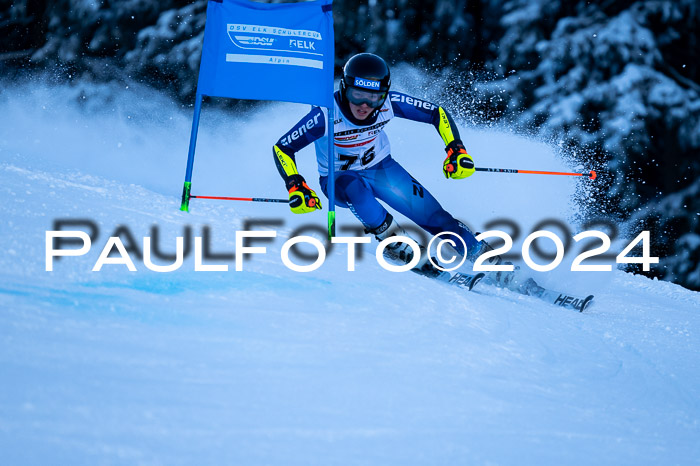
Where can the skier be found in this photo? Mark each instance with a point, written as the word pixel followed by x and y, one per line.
pixel 365 170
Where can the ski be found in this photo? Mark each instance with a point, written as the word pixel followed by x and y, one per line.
pixel 557 298
pixel 529 287
pixel 510 281
pixel 462 280
pixel 566 300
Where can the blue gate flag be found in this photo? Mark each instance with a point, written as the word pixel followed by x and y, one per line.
pixel 268 51
pixel 263 51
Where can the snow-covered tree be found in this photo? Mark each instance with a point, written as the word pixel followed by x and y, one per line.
pixel 618 83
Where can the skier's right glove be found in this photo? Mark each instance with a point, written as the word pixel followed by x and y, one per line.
pixel 458 163
pixel 302 199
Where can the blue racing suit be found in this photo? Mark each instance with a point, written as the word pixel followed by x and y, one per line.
pixel 365 172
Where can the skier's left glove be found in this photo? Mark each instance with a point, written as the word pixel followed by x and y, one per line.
pixel 302 199
pixel 458 163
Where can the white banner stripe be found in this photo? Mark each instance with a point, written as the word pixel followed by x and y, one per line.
pixel 273 60
pixel 275 31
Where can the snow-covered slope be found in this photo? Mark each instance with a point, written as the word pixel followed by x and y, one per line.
pixel 270 366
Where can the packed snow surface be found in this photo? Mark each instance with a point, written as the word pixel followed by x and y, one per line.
pixel 271 366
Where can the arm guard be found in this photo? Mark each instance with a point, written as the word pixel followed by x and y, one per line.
pixel 446 127
pixel 285 163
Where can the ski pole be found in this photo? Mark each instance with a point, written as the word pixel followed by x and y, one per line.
pixel 592 174
pixel 249 199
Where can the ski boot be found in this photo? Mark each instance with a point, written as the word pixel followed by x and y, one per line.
pixel 514 280
pixel 398 253
pixel 501 279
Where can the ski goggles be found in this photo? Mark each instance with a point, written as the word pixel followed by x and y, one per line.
pixel 358 97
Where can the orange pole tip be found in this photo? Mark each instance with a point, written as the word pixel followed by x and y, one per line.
pixel 593 175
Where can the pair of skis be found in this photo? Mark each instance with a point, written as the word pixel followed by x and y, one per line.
pixel 468 281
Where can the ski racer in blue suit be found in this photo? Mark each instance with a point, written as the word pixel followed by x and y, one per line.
pixel 365 169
